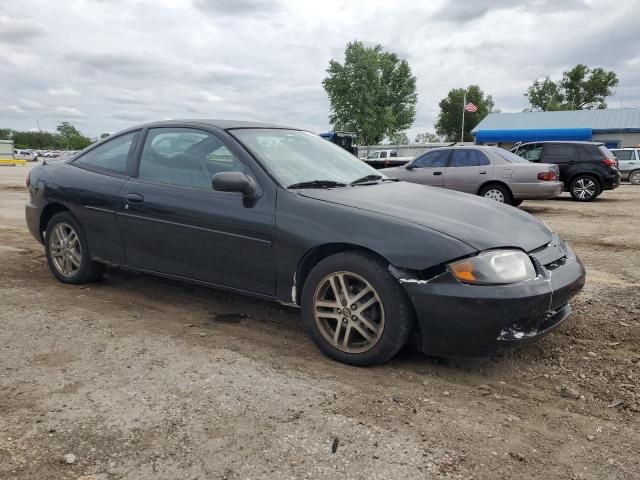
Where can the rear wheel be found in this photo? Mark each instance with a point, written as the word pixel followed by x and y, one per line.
pixel 634 177
pixel 584 188
pixel 499 193
pixel 355 310
pixel 68 251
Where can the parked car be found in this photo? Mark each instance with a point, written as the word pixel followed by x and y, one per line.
pixel 27 155
pixel 628 163
pixel 385 158
pixel 282 214
pixel 490 172
pixel 586 168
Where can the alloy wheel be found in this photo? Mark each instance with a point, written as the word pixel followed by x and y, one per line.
pixel 494 194
pixel 635 178
pixel 66 251
pixel 348 312
pixel 584 188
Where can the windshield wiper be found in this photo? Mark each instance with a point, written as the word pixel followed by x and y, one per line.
pixel 318 184
pixel 367 178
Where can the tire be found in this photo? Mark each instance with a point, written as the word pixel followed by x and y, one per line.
pixel 387 320
pixel 499 193
pixel 584 188
pixel 68 252
pixel 634 177
pixel 516 203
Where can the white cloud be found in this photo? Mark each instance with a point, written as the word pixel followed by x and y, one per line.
pixel 63 92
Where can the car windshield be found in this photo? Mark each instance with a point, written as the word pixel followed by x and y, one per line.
pixel 508 156
pixel 295 157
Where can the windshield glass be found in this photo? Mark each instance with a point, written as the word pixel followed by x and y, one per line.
pixel 293 156
pixel 508 156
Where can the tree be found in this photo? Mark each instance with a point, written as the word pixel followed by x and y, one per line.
pixel 373 93
pixel 450 117
pixel 399 138
pixel 71 138
pixel 427 137
pixel 580 88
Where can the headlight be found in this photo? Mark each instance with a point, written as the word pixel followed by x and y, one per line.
pixel 494 267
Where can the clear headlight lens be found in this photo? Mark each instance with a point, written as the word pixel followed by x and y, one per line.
pixel 494 267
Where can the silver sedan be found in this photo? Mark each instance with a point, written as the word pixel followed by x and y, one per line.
pixel 490 172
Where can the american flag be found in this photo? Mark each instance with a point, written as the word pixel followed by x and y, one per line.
pixel 470 107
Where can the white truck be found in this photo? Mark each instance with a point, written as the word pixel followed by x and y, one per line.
pixel 386 158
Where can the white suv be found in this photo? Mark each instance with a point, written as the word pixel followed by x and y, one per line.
pixel 628 163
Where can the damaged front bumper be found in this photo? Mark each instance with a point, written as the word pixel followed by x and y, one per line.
pixel 457 319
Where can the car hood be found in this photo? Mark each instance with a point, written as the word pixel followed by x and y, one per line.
pixel 479 222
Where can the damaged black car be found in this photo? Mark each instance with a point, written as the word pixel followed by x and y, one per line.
pixel 282 214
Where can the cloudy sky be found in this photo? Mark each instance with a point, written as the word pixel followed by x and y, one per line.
pixel 106 64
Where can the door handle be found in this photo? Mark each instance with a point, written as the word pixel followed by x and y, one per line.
pixel 483 173
pixel 437 173
pixel 134 198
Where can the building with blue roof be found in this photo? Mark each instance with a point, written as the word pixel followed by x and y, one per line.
pixel 615 127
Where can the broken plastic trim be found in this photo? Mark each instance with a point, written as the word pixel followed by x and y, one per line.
pixel 420 277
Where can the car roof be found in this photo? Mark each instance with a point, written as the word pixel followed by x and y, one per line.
pixel 578 142
pixel 625 148
pixel 223 124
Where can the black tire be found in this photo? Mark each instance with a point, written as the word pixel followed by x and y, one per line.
pixel 634 177
pixel 88 270
pixel 496 187
pixel 396 327
pixel 516 203
pixel 584 188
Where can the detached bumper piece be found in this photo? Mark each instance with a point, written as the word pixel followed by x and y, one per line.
pixel 458 319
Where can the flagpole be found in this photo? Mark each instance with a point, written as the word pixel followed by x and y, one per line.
pixel 464 103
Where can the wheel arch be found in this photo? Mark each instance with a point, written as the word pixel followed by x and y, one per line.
pixel 495 182
pixel 47 213
pixel 583 174
pixel 314 256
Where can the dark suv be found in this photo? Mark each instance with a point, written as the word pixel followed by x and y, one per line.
pixel 586 168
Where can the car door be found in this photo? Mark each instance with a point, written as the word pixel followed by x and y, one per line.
pixel 99 176
pixel 427 169
pixel 467 169
pixel 174 223
pixel 565 155
pixel 626 159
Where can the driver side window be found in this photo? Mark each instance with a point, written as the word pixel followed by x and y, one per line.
pixel 435 159
pixel 185 157
pixel 531 153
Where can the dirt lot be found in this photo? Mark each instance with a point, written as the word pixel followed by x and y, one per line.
pixel 140 377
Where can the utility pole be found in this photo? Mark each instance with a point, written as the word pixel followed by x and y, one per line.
pixel 464 103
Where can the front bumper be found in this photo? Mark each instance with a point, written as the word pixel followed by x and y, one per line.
pixel 457 319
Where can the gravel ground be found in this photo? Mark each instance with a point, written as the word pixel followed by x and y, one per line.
pixel 139 377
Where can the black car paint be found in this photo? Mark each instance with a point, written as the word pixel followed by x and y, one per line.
pixel 265 247
pixel 586 159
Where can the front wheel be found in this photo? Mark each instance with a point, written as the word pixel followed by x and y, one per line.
pixel 634 177
pixel 68 251
pixel 584 188
pixel 355 311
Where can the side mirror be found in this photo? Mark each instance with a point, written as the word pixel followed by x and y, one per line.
pixel 235 182
pixel 409 166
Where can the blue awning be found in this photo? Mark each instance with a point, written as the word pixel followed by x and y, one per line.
pixel 532 135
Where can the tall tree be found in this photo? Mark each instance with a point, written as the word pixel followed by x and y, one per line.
pixel 399 138
pixel 373 93
pixel 580 88
pixel 71 138
pixel 427 137
pixel 450 117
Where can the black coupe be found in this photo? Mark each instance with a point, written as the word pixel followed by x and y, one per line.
pixel 282 214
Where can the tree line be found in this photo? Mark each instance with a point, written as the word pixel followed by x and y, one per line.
pixel 373 94
pixel 66 137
